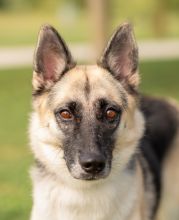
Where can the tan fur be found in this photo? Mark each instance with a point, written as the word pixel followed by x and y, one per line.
pixel 74 83
pixel 127 191
pixel 139 209
pixel 45 142
pixel 46 139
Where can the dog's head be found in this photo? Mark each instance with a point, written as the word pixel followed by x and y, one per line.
pixel 85 118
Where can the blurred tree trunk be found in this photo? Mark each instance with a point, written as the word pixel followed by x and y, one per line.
pixel 160 19
pixel 99 23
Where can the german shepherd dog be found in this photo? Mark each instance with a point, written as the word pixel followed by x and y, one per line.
pixel 99 145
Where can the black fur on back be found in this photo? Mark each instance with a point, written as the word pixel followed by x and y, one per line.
pixel 161 124
pixel 160 129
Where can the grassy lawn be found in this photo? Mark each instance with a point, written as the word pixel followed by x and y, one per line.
pixel 15 193
pixel 158 78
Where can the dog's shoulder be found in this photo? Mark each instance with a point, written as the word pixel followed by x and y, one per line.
pixel 161 124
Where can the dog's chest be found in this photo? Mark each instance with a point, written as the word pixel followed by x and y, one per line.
pixel 80 205
pixel 57 202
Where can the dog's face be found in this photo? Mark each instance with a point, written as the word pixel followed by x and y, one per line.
pixel 85 117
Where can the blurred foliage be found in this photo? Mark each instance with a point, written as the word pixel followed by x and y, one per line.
pixel 135 5
pixel 172 4
pixel 155 14
pixel 160 16
pixel 15 5
pixel 36 4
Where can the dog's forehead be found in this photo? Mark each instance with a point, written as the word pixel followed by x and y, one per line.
pixel 87 83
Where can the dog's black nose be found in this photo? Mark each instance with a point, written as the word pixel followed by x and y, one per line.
pixel 92 163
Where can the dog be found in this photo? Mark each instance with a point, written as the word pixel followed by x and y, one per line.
pixel 99 145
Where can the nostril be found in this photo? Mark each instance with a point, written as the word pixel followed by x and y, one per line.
pixel 92 164
pixel 88 165
pixel 101 166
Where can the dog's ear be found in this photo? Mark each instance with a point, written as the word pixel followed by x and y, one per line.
pixel 51 60
pixel 121 57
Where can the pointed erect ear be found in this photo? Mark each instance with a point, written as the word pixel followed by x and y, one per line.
pixel 121 57
pixel 52 58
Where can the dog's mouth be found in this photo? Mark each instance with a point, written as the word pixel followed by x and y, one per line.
pixel 78 172
pixel 90 177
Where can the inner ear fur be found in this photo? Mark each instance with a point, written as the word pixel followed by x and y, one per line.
pixel 52 59
pixel 120 57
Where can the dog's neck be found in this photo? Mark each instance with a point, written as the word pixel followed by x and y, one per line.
pixel 104 199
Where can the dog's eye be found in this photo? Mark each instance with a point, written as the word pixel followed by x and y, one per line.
pixel 65 114
pixel 111 114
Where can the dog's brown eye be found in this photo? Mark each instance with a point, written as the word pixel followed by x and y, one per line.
pixel 65 114
pixel 111 114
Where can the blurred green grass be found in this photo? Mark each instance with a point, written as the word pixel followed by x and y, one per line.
pixel 15 192
pixel 159 78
